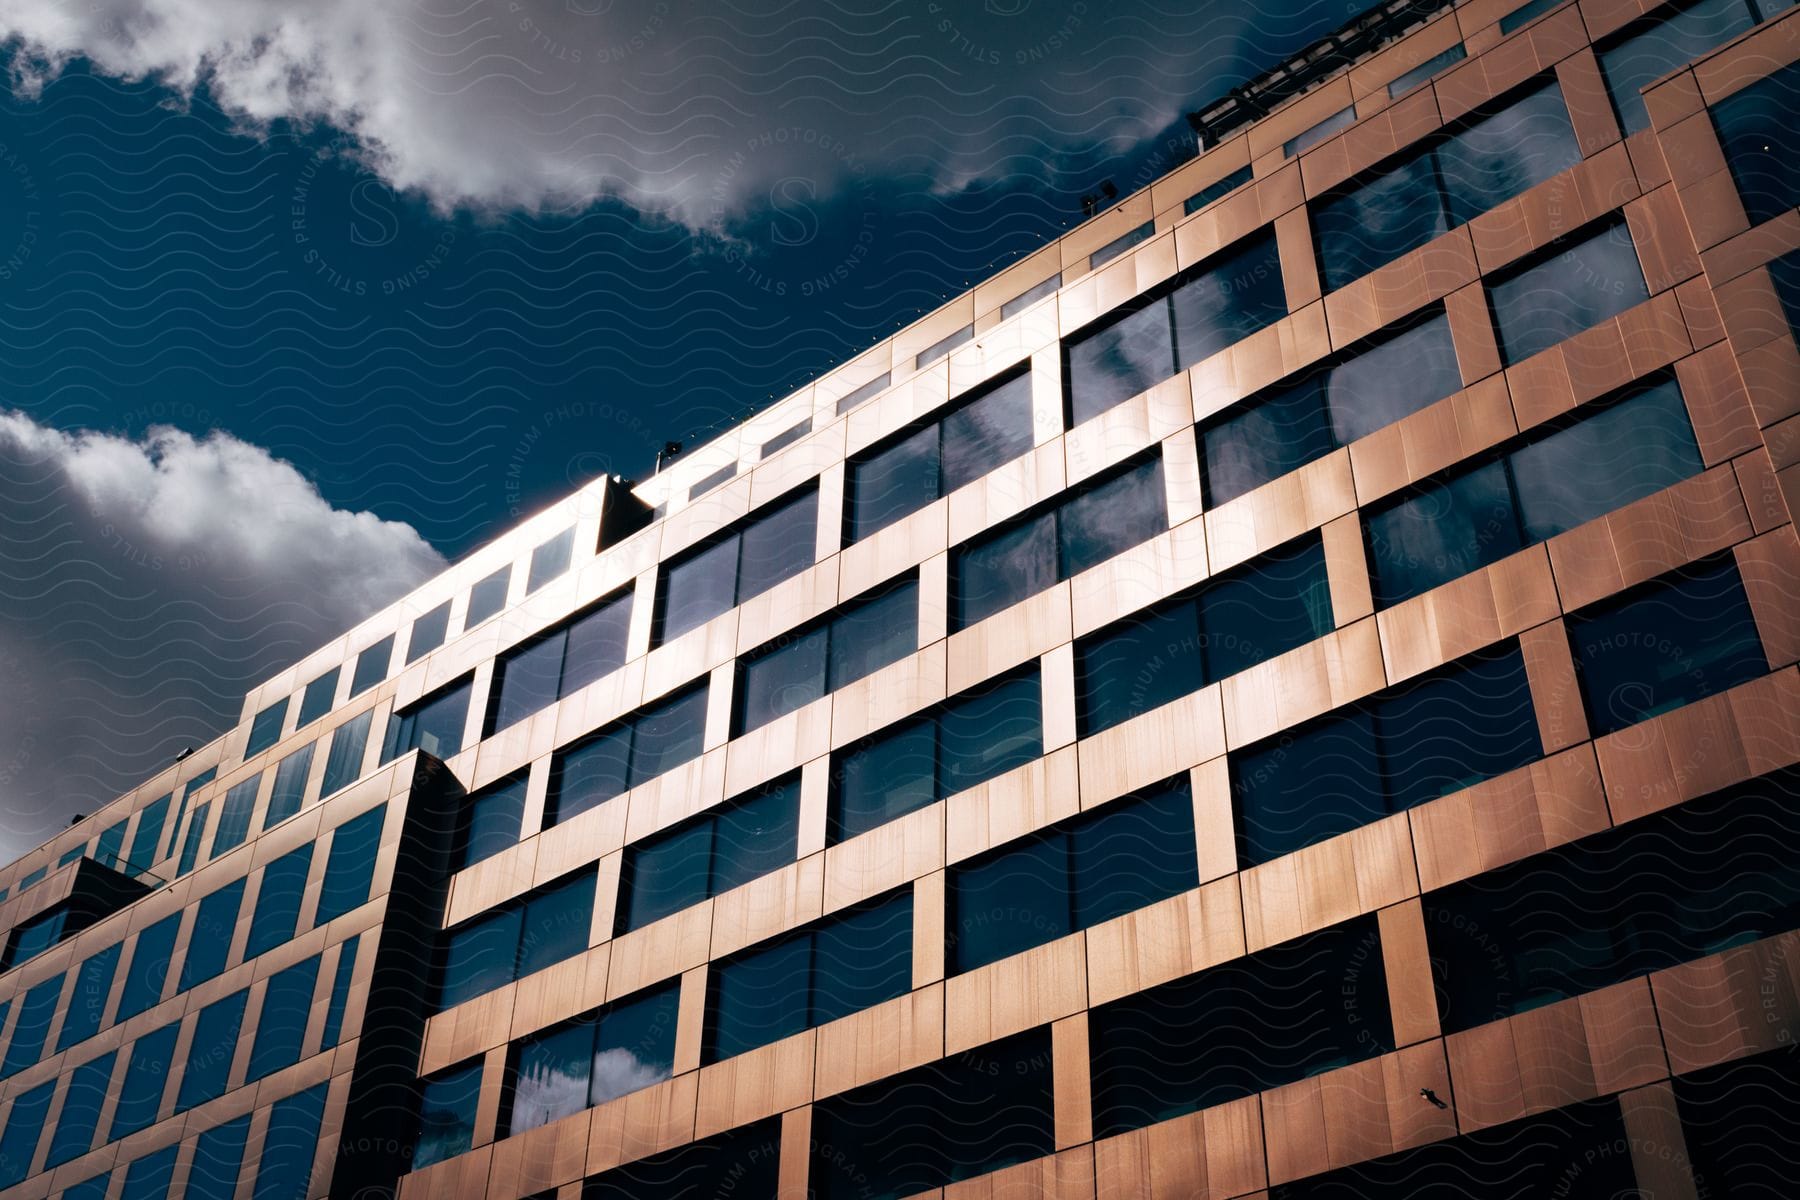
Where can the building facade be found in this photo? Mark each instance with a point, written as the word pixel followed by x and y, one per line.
pixel 1289 691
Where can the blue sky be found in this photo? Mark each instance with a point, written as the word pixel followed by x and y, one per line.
pixel 298 302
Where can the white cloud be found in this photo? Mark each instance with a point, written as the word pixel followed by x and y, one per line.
pixel 703 114
pixel 153 582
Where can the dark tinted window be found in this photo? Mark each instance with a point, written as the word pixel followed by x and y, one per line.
pixel 1754 129
pixel 830 969
pixel 1227 298
pixel 634 750
pixel 1671 41
pixel 550 560
pixel 906 473
pixel 434 724
pixel 1667 643
pixel 1281 432
pixel 428 632
pixel 343 763
pixel 265 728
pixel 1085 527
pixel 147 837
pixel 516 939
pixel 281 1028
pixel 559 662
pixel 278 901
pixel 85 1092
pixel 710 854
pixel 234 816
pixel 954 1119
pixel 340 994
pixel 218 1156
pixel 447 1103
pixel 24 1127
pixel 1740 1121
pixel 289 791
pixel 1251 613
pixel 983 732
pixel 1427 191
pixel 316 701
pixel 210 1053
pixel 1572 286
pixel 149 968
pixel 215 921
pixel 87 1001
pixel 1128 853
pixel 32 1027
pixel 1443 533
pixel 745 1161
pixel 1217 190
pixel 149 1177
pixel 1661 890
pixel 372 665
pixel 628 1045
pixel 488 597
pixel 1411 743
pixel 285 1172
pixel 146 1074
pixel 775 543
pixel 350 866
pixel 1248 1025
pixel 492 820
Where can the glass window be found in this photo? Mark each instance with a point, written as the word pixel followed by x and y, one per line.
pixel 1677 639
pixel 215 921
pixel 89 1189
pixel 1392 377
pixel 428 632
pixel 1265 607
pixel 280 1030
pixel 106 850
pixel 709 855
pixel 1305 140
pixel 596 643
pixel 447 1103
pixel 87 1001
pixel 829 969
pixel 1785 274
pixel 37 935
pixel 516 939
pixel 780 543
pixel 786 438
pixel 86 1092
pixel 285 1172
pixel 278 901
pixel 1570 287
pixel 492 821
pixel 1443 533
pixel 147 837
pixel 1245 1026
pixel 883 777
pixel 550 560
pixel 1620 454
pixel 711 480
pixel 343 763
pixel 265 728
pixel 697 587
pixel 218 1156
pixel 1754 128
pixel 209 1055
pixel 1029 297
pixel 626 1046
pixel 1640 897
pixel 350 866
pixel 1217 190
pixel 1128 853
pixel 1281 432
pixel 434 724
pixel 488 597
pixel 867 391
pixel 1426 191
pixel 234 815
pixel 372 665
pixel 943 346
pixel 664 737
pixel 748 1157
pixel 988 730
pixel 316 701
pixel 1525 14
pixel 1238 293
pixel 149 968
pixel 1126 355
pixel 190 845
pixel 1102 519
pixel 800 667
pixel 290 786
pixel 1121 244
pixel 950 1120
pixel 24 1128
pixel 1671 41
pixel 140 1095
pixel 526 679
pixel 775 543
pixel 150 1176
pixel 36 1011
pixel 1409 80
pixel 340 994
pixel 1739 1120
